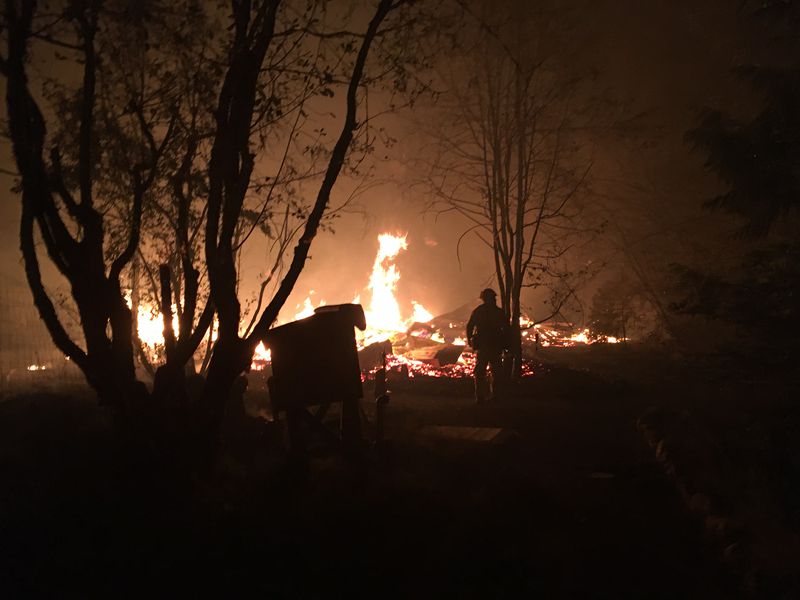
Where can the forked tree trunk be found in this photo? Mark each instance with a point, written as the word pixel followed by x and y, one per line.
pixel 107 360
pixel 232 355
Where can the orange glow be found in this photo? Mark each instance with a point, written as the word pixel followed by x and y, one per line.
pixel 261 356
pixel 383 313
pixel 421 314
pixel 582 337
pixel 307 308
pixel 462 368
pixel 151 326
pixel 387 320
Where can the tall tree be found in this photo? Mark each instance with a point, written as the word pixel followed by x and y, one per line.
pixel 72 213
pixel 758 157
pixel 756 154
pixel 507 159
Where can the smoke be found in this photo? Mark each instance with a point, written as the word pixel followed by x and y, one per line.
pixel 341 260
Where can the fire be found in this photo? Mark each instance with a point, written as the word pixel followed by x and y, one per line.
pixel 151 326
pixel 582 337
pixel 551 336
pixel 307 308
pixel 386 321
pixel 383 314
pixel 384 317
pixel 261 356
pixel 420 314
pixel 462 368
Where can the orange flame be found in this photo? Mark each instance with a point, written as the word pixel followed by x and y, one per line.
pixel 421 314
pixel 383 314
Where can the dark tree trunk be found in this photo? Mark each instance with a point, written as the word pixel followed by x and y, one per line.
pixel 230 358
pixel 515 346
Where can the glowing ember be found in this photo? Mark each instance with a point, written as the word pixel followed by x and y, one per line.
pixel 37 367
pixel 582 337
pixel 462 369
pixel 558 337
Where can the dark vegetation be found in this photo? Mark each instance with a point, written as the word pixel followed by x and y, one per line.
pixel 567 503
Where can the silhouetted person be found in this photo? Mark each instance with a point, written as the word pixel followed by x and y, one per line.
pixel 487 333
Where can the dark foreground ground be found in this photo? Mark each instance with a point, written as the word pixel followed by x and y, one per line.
pixel 568 502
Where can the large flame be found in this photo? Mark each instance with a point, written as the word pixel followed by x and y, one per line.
pixel 384 316
pixel 385 321
pixel 383 313
pixel 150 326
pixel 421 314
pixel 261 356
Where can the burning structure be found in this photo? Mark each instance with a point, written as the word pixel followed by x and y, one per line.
pixel 414 341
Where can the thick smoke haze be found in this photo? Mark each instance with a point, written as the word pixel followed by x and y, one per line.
pixel 656 65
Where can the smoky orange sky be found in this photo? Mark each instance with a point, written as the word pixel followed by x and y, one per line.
pixel 666 60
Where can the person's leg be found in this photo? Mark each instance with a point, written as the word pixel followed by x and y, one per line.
pixel 481 361
pixel 496 364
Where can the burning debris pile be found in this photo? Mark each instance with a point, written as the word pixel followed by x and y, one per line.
pixel 423 345
pixel 417 345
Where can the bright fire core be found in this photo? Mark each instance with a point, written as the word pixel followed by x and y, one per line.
pixel 386 318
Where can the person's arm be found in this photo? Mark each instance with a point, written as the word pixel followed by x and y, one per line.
pixel 471 328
